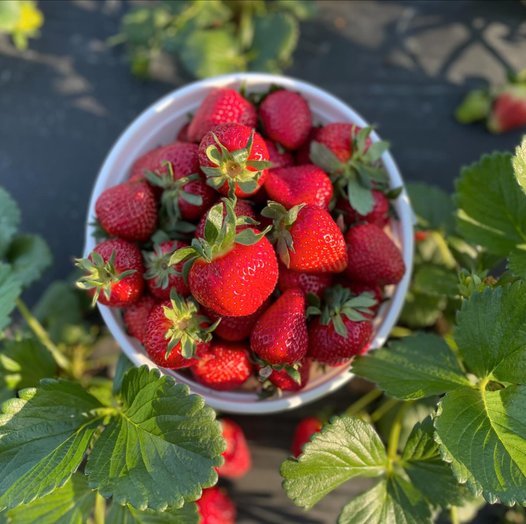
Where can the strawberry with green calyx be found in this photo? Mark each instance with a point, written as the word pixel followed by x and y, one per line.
pixel 160 276
pixel 379 214
pixel 306 184
pixel 235 159
pixel 114 273
pixel 230 271
pixel 347 153
pixel 177 333
pixel 243 208
pixel 135 317
pixel 283 378
pixel 224 367
pixel 343 328
pixel 128 211
pixel 307 238
pixel 280 334
pixel 508 111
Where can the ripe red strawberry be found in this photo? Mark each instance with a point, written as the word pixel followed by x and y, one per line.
pixel 303 152
pixel 278 157
pixel 509 110
pixel 308 239
pixel 221 106
pixel 136 316
pixel 182 134
pixel 306 184
pixel 237 453
pixel 343 329
pixel 114 273
pixel 303 433
pixel 337 137
pixel 286 118
pixel 160 277
pixel 234 156
pixel 358 288
pixel 235 329
pixel 225 366
pixel 230 272
pixel 175 171
pixel 280 334
pixel 379 215
pixel 128 211
pixel 242 208
pixel 215 507
pixel 314 283
pixel 373 257
pixel 146 162
pixel 177 333
pixel 282 379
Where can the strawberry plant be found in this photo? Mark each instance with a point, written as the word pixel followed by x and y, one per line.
pixel 214 37
pixel 466 388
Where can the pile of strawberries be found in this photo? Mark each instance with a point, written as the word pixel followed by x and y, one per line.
pixel 254 245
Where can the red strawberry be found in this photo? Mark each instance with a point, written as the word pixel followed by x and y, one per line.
pixel 286 118
pixel 308 239
pixel 225 366
pixel 147 162
pixel 344 328
pixel 306 184
pixel 358 288
pixel 373 257
pixel 420 236
pixel 128 211
pixel 242 208
pixel 338 138
pixel 303 433
pixel 215 507
pixel 233 155
pixel 235 329
pixel 176 333
pixel 379 215
pixel 114 273
pixel 280 334
pixel 303 152
pixel 281 378
pixel 136 316
pixel 230 272
pixel 278 157
pixel 182 134
pixel 314 283
pixel 185 194
pixel 221 106
pixel 237 453
pixel 160 276
pixel 509 110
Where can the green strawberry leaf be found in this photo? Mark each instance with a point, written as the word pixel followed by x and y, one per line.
pixel 517 264
pixel 301 9
pixel 345 448
pixel 392 500
pixel 482 433
pixel 414 367
pixel 70 504
pixel 422 310
pixel 323 157
pixel 124 364
pixel 426 469
pixel 433 207
pixel 519 164
pixel 29 256
pixel 10 290
pixel 160 449
pixel 435 281
pixel 188 514
pixel 23 363
pixel 275 38
pixel 491 333
pixel 9 220
pixel 211 52
pixel 492 207
pixel 360 197
pixel 43 437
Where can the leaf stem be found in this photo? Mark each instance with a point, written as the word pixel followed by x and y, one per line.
pixel 363 402
pixel 444 250
pixel 383 409
pixel 99 512
pixel 453 515
pixel 394 435
pixel 42 335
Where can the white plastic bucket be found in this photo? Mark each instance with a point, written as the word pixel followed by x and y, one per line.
pixel 158 125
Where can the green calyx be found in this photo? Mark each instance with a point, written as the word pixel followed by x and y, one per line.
pixel 232 167
pixel 100 276
pixel 340 301
pixel 266 369
pixel 283 219
pixel 187 325
pixel 158 266
pixel 220 236
pixel 356 178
